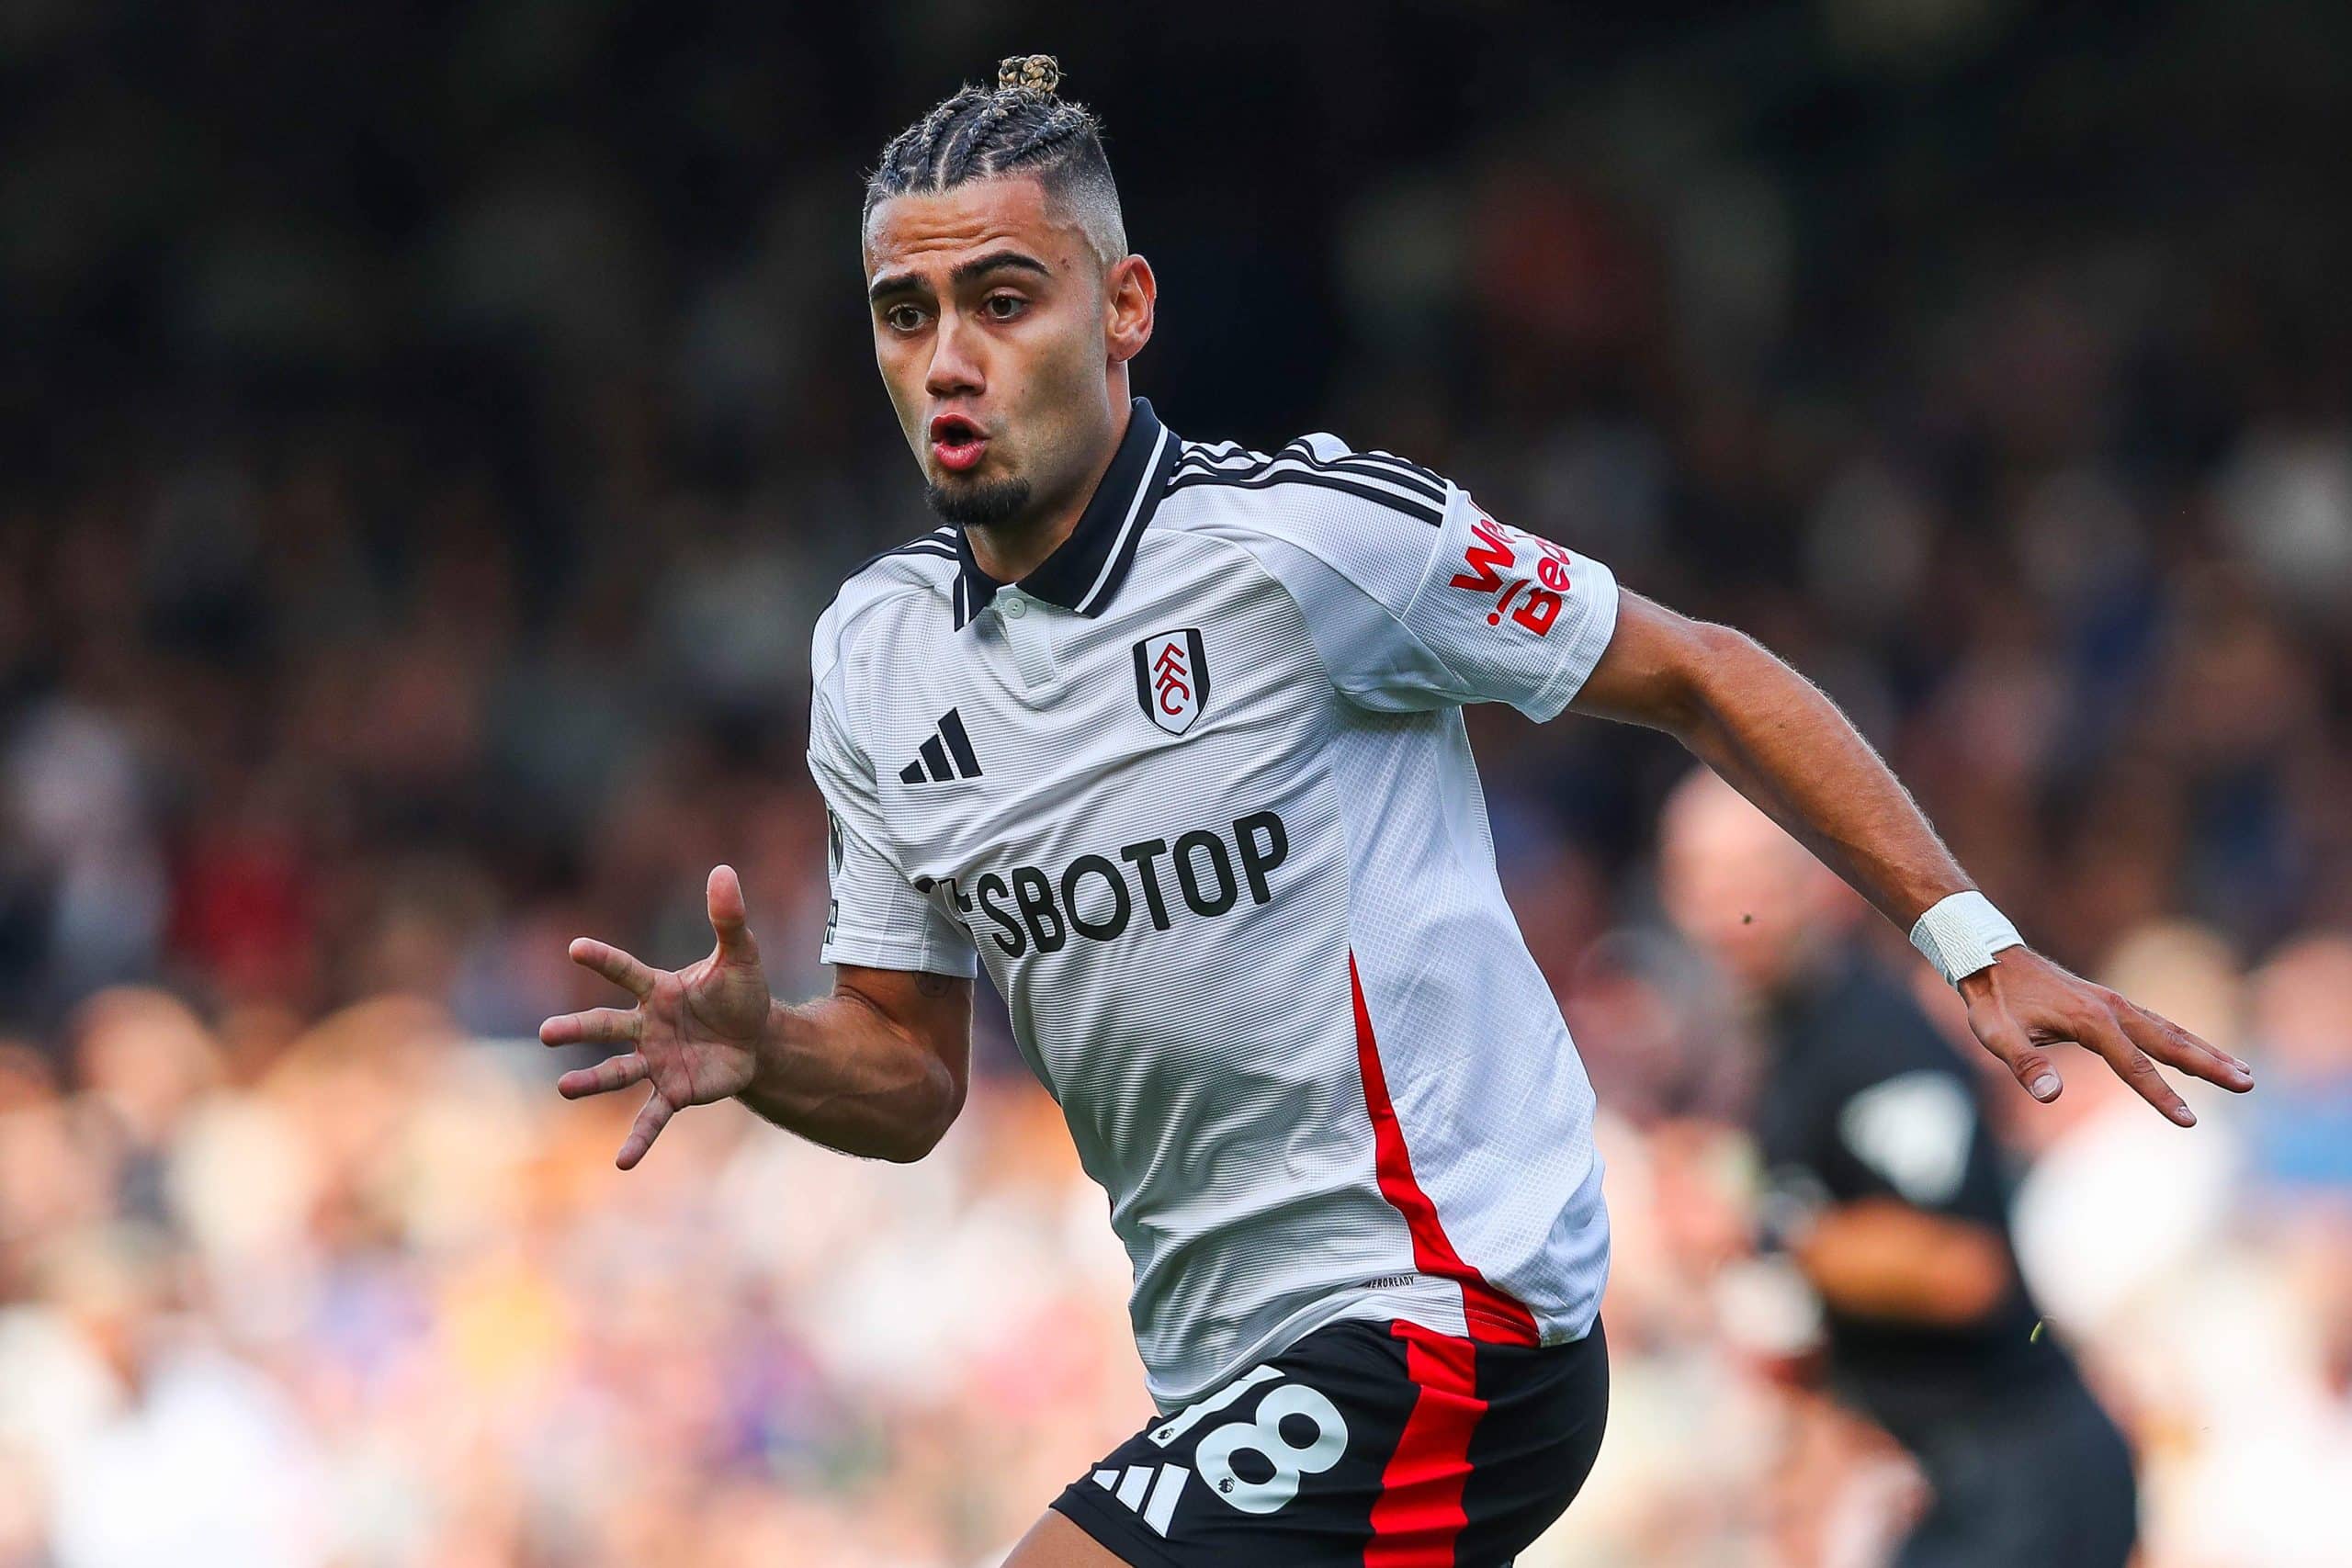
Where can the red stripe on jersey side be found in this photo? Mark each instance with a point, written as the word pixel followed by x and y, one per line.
pixel 1418 1516
pixel 1491 1315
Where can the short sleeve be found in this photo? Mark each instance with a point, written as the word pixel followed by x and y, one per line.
pixel 877 918
pixel 1431 604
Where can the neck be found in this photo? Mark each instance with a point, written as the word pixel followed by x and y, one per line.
pixel 1012 550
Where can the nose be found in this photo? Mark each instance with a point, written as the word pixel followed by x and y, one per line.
pixel 955 365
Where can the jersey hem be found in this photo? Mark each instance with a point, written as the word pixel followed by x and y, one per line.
pixel 1433 1302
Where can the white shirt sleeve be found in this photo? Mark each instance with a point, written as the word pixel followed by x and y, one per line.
pixel 876 919
pixel 1428 609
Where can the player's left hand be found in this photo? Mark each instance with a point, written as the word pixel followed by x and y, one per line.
pixel 2023 1004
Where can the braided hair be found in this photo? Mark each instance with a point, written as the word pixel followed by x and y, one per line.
pixel 1017 127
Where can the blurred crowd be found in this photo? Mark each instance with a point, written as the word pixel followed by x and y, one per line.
pixel 426 447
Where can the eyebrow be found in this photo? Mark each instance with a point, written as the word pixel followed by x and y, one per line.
pixel 965 272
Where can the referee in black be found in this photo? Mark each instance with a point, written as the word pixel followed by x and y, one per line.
pixel 1887 1189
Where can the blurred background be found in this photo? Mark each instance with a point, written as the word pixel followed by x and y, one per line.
pixel 428 432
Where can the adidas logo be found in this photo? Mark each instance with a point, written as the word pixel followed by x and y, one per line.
pixel 1160 1507
pixel 946 755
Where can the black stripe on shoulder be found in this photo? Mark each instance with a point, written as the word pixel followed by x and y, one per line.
pixel 1241 460
pixel 1404 488
pixel 1380 466
pixel 1390 459
pixel 1432 516
pixel 1396 470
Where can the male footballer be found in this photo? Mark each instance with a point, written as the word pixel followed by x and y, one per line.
pixel 1168 734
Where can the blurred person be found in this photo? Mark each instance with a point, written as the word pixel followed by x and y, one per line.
pixel 27 1077
pixel 2266 1420
pixel 2253 1449
pixel 1170 732
pixel 198 1459
pixel 74 812
pixel 1660 1046
pixel 1676 1203
pixel 1887 1189
pixel 2301 1022
pixel 2108 1219
pixel 142 1058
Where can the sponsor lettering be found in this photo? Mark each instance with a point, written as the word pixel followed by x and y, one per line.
pixel 1097 896
pixel 1528 594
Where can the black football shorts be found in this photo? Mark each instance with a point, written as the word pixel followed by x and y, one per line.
pixel 1371 1444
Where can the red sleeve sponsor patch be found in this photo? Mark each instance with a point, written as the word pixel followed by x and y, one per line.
pixel 1493 565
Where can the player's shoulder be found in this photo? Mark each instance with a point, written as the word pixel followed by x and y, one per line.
pixel 924 567
pixel 1317 490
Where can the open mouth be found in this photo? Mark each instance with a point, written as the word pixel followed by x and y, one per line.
pixel 958 443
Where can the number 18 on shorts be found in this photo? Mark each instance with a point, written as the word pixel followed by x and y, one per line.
pixel 1373 1443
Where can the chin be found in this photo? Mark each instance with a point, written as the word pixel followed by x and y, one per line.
pixel 976 499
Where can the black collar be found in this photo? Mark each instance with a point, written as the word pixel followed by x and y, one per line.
pixel 1085 570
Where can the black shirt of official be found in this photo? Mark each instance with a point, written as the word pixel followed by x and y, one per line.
pixel 1865 1098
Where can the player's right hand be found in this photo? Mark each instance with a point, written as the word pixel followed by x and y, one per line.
pixel 695 1033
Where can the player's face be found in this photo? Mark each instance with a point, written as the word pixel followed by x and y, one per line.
pixel 992 333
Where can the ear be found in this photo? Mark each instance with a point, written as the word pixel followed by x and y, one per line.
pixel 1130 293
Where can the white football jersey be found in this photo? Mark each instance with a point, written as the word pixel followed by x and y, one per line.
pixel 1199 792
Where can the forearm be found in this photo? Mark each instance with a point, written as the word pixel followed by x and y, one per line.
pixel 839 1072
pixel 1887 1260
pixel 1777 739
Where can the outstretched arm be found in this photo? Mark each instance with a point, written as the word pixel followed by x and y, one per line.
pixel 877 1068
pixel 1776 739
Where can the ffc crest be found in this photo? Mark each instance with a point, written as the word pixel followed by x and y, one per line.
pixel 1173 678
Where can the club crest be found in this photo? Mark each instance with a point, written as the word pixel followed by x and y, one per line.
pixel 1173 678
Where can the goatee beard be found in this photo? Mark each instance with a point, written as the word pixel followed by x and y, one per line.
pixel 982 504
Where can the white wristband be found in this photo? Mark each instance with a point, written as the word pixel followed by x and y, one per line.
pixel 1960 934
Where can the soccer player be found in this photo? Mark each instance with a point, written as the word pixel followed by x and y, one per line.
pixel 1888 1192
pixel 1168 734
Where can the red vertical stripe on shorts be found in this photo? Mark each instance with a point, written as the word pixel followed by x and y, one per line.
pixel 1491 1315
pixel 1418 1516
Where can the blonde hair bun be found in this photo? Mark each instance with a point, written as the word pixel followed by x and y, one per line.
pixel 1028 73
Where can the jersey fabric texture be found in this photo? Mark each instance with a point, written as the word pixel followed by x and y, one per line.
pixel 1199 792
pixel 1362 1445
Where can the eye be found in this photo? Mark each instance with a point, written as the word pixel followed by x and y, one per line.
pixel 1003 307
pixel 903 317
